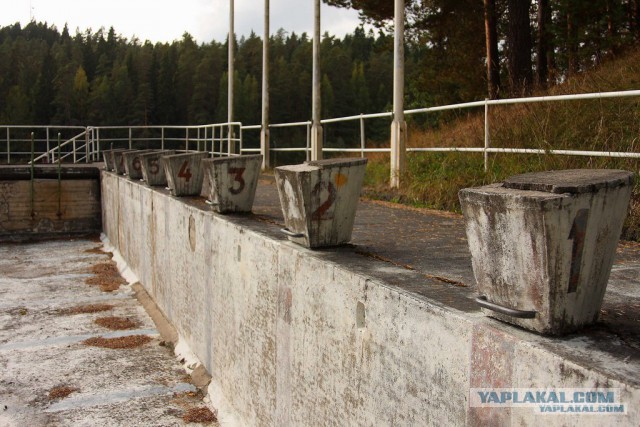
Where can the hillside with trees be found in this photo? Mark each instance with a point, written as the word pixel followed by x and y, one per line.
pixel 457 51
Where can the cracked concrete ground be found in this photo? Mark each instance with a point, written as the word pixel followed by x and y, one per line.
pixel 51 371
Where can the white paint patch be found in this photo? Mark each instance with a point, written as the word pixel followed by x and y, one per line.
pixel 90 400
pixel 123 268
pixel 183 352
pixel 73 339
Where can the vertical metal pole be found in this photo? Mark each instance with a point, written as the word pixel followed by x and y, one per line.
pixel 231 73
pixel 8 147
pixel 363 139
pixel 32 189
pixel 186 139
pixel 86 146
pixel 59 179
pixel 74 151
pixel 48 146
pixel 130 145
pixel 487 141
pixel 264 130
pixel 316 126
pixel 307 152
pixel 398 126
pixel 162 138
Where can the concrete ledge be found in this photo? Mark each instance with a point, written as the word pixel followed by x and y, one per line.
pixel 294 337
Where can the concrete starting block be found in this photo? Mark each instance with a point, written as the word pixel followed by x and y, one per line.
pixel 132 165
pixel 153 167
pixel 542 245
pixel 230 182
pixel 117 157
pixel 319 200
pixel 184 173
pixel 107 156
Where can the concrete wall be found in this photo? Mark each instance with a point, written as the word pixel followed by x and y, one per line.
pixel 69 207
pixel 291 338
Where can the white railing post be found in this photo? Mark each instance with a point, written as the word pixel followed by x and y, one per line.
pixel 308 150
pixel 8 146
pixel 398 126
pixel 363 139
pixel 316 111
pixel 130 144
pixel 48 147
pixel 74 151
pixel 86 146
pixel 487 141
pixel 186 138
pixel 162 138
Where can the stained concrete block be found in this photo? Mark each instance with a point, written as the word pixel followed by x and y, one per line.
pixel 132 165
pixel 184 173
pixel 117 157
pixel 319 200
pixel 543 244
pixel 153 167
pixel 107 155
pixel 231 182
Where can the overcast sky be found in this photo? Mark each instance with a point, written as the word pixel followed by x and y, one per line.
pixel 167 20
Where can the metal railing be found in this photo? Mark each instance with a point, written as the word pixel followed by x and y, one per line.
pixel 486 149
pixel 220 139
pixel 227 138
pixel 17 143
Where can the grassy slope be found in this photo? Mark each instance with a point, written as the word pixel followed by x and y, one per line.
pixel 433 179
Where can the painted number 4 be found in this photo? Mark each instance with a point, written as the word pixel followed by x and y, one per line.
pixel 185 171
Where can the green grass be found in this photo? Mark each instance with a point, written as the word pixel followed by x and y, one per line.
pixel 433 179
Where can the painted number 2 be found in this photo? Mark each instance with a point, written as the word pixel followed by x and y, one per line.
pixel 237 178
pixel 185 171
pixel 322 212
pixel 577 234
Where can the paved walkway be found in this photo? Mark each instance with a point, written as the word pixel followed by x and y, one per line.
pixel 431 249
pixel 73 353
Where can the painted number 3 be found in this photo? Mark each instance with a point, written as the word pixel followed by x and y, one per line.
pixel 185 171
pixel 237 178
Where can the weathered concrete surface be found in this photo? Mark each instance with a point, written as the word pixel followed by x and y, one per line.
pixel 184 173
pixel 41 346
pixel 372 334
pixel 545 242
pixel 319 200
pixel 230 182
pixel 117 160
pixel 153 167
pixel 69 206
pixel 132 164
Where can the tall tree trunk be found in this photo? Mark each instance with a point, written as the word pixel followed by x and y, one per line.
pixel 519 46
pixel 634 18
pixel 491 37
pixel 572 43
pixel 542 57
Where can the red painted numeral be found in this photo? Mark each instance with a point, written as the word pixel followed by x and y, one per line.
pixel 185 171
pixel 577 234
pixel 237 177
pixel 322 212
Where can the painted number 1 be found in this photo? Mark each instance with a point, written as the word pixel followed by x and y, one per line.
pixel 185 171
pixel 577 234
